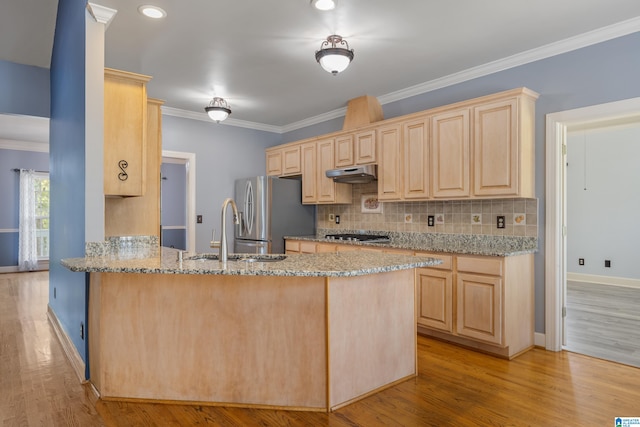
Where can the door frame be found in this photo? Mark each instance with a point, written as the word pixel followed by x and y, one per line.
pixel 557 125
pixel 189 160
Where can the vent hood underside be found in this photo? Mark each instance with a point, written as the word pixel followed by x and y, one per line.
pixel 354 175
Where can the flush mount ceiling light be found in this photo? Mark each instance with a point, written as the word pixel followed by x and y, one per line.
pixel 324 4
pixel 152 11
pixel 218 109
pixel 334 54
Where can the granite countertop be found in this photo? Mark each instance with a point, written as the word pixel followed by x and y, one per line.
pixel 165 261
pixel 469 244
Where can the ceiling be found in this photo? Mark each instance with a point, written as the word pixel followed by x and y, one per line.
pixel 259 55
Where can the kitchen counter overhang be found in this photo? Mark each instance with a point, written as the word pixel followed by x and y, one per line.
pixel 279 335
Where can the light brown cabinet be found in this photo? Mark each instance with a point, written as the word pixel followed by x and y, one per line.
pixel 125 133
pixel 274 161
pixel 309 173
pixel 503 148
pixel 416 159
pixel 317 157
pixel 390 162
pixel 284 161
pixel 434 294
pixel 450 147
pixel 358 148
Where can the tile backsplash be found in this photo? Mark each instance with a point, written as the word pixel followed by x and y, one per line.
pixel 455 217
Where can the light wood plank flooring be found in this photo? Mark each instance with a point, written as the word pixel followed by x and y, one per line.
pixel 604 321
pixel 455 387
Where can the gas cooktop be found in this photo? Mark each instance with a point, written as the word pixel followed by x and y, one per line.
pixel 370 238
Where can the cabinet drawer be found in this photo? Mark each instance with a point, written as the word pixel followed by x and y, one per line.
pixel 447 260
pixel 292 246
pixel 307 248
pixel 481 265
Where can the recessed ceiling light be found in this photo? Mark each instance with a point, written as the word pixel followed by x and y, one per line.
pixel 324 4
pixel 152 11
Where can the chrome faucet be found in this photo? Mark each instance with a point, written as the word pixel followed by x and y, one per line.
pixel 224 251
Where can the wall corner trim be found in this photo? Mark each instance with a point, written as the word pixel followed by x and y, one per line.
pixel 101 14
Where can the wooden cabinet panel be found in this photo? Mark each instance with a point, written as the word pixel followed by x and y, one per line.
pixel 390 163
pixel 450 154
pixel 416 159
pixel 365 147
pixel 274 162
pixel 125 133
pixel 326 186
pixel 291 247
pixel 480 265
pixel 479 307
pixel 435 298
pixel 325 247
pixel 344 151
pixel 309 173
pixel 291 160
pixel 495 149
pixel 307 248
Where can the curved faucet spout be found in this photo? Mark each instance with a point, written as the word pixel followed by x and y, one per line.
pixel 224 252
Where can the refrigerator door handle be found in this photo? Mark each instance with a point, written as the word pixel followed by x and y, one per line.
pixel 248 207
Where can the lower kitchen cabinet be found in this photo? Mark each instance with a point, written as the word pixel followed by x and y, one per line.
pixel 434 294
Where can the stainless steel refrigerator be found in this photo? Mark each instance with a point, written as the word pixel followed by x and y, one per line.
pixel 270 208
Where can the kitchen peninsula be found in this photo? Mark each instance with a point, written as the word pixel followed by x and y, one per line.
pixel 310 332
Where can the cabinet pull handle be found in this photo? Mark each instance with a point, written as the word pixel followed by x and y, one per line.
pixel 122 164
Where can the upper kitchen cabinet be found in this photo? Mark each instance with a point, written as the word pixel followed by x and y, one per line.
pixel 125 133
pixel 284 160
pixel 390 164
pixel 317 158
pixel 503 147
pixel 416 158
pixel 357 148
pixel 450 148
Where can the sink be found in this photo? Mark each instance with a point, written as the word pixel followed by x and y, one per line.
pixel 239 257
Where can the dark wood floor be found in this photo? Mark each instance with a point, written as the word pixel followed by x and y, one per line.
pixel 455 387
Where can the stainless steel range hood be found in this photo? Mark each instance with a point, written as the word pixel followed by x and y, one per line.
pixel 354 174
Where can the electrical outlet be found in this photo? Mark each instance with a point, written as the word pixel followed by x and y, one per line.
pixel 332 217
pixel 82 331
pixel 580 261
pixel 607 263
pixel 500 221
pixel 54 293
pixel 431 220
pixel 337 219
pixel 199 219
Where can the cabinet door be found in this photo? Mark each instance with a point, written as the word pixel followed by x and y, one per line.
pixel 309 173
pixel 416 159
pixel 365 147
pixel 125 133
pixel 435 299
pixel 495 149
pixel 326 186
pixel 450 154
pixel 479 307
pixel 344 151
pixel 291 160
pixel 274 162
pixel 291 247
pixel 390 164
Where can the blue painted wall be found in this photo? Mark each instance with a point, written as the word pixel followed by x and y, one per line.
pixel 592 75
pixel 10 198
pixel 24 89
pixel 67 171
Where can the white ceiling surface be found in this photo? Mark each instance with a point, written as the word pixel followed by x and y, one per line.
pixel 259 55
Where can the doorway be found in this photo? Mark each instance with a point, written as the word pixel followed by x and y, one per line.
pixel 558 125
pixel 177 213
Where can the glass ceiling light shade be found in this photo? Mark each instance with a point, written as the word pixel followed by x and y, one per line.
pixel 218 109
pixel 324 4
pixel 152 11
pixel 334 54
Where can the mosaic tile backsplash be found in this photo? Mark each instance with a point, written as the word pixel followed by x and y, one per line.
pixel 455 217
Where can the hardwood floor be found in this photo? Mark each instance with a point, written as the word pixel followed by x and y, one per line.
pixel 603 321
pixel 455 387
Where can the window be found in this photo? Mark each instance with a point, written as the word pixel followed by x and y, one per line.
pixel 41 189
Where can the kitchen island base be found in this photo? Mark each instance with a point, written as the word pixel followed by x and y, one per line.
pixel 298 343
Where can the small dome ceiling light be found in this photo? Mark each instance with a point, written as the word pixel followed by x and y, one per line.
pixel 334 54
pixel 324 4
pixel 218 109
pixel 152 11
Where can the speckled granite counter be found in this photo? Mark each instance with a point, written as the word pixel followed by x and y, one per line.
pixel 165 261
pixel 470 244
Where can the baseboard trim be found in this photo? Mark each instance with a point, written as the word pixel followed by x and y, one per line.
pixel 539 339
pixel 604 280
pixel 70 351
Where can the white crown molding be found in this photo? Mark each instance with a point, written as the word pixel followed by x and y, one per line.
pixel 101 14
pixel 185 114
pixel 572 43
pixel 9 144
